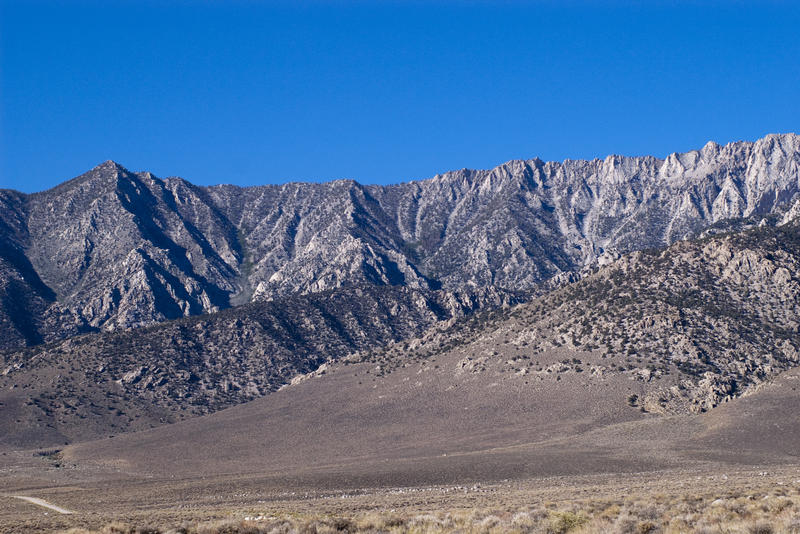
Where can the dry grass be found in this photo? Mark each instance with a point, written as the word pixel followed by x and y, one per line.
pixel 733 512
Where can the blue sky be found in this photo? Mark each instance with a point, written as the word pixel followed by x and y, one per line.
pixel 381 92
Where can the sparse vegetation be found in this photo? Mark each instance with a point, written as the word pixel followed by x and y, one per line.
pixel 735 511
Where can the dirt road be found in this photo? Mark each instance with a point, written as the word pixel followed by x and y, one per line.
pixel 43 503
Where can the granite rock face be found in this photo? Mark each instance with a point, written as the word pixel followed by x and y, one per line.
pixel 114 249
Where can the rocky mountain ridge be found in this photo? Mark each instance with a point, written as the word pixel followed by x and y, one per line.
pixel 114 249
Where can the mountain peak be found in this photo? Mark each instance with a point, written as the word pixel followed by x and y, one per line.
pixel 105 172
pixel 109 164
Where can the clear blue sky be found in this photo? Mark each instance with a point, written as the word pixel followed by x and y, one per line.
pixel 381 92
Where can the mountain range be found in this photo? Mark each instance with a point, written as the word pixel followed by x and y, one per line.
pixel 115 249
pixel 129 302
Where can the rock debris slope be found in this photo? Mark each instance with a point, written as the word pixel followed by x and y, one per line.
pixel 114 249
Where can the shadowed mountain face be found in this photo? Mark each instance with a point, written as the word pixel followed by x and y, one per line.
pixel 114 249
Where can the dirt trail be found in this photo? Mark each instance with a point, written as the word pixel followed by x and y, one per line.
pixel 43 503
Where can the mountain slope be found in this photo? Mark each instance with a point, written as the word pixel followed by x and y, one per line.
pixel 100 384
pixel 693 325
pixel 292 441
pixel 24 298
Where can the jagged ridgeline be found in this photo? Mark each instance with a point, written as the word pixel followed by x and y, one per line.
pixel 115 249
